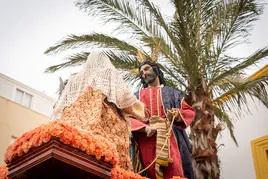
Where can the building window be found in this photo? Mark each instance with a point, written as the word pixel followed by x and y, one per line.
pixel 23 98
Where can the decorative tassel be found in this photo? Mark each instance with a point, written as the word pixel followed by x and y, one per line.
pixel 170 160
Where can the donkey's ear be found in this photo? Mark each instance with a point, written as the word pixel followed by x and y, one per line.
pixel 61 85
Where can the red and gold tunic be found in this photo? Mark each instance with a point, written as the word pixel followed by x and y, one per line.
pixel 152 98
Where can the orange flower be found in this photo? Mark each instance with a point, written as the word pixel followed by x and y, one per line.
pixel 3 172
pixel 118 173
pixel 45 137
pixel 76 141
pixel 8 156
pixel 20 151
pixel 83 146
pixel 98 154
pixel 35 140
pixel 56 130
pixel 66 137
pixel 25 146
pixel 69 135
pixel 40 141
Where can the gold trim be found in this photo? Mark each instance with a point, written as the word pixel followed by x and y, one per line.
pixel 151 102
pixel 157 101
pixel 158 93
pixel 263 71
pixel 260 156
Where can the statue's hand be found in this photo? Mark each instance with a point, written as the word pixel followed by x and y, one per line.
pixel 150 131
pixel 171 113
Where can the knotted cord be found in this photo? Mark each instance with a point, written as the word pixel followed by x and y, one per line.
pixel 168 135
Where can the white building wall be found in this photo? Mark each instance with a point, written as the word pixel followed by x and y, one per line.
pixel 41 103
pixel 6 88
pixel 237 162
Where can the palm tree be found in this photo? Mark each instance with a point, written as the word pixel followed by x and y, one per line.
pixel 192 49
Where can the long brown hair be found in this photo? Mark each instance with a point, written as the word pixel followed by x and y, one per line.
pixel 156 69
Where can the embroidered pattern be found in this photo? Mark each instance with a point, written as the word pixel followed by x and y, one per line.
pixel 91 112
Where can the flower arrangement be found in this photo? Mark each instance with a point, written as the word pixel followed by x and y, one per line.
pixel 79 139
pixel 118 173
pixel 3 172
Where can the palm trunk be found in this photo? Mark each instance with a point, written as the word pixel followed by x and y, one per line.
pixel 203 135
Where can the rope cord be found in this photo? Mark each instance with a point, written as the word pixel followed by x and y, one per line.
pixel 174 113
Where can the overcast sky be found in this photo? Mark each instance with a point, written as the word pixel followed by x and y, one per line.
pixel 29 27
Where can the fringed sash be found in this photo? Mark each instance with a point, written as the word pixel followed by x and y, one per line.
pixel 162 160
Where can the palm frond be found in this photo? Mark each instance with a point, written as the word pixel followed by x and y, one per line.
pixel 228 83
pixel 224 117
pixel 72 61
pixel 237 97
pixel 167 50
pixel 253 59
pixel 236 22
pixel 84 41
pixel 135 17
pixel 129 15
pixel 173 75
pixel 215 68
pixel 158 17
pixel 122 60
pixel 186 28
